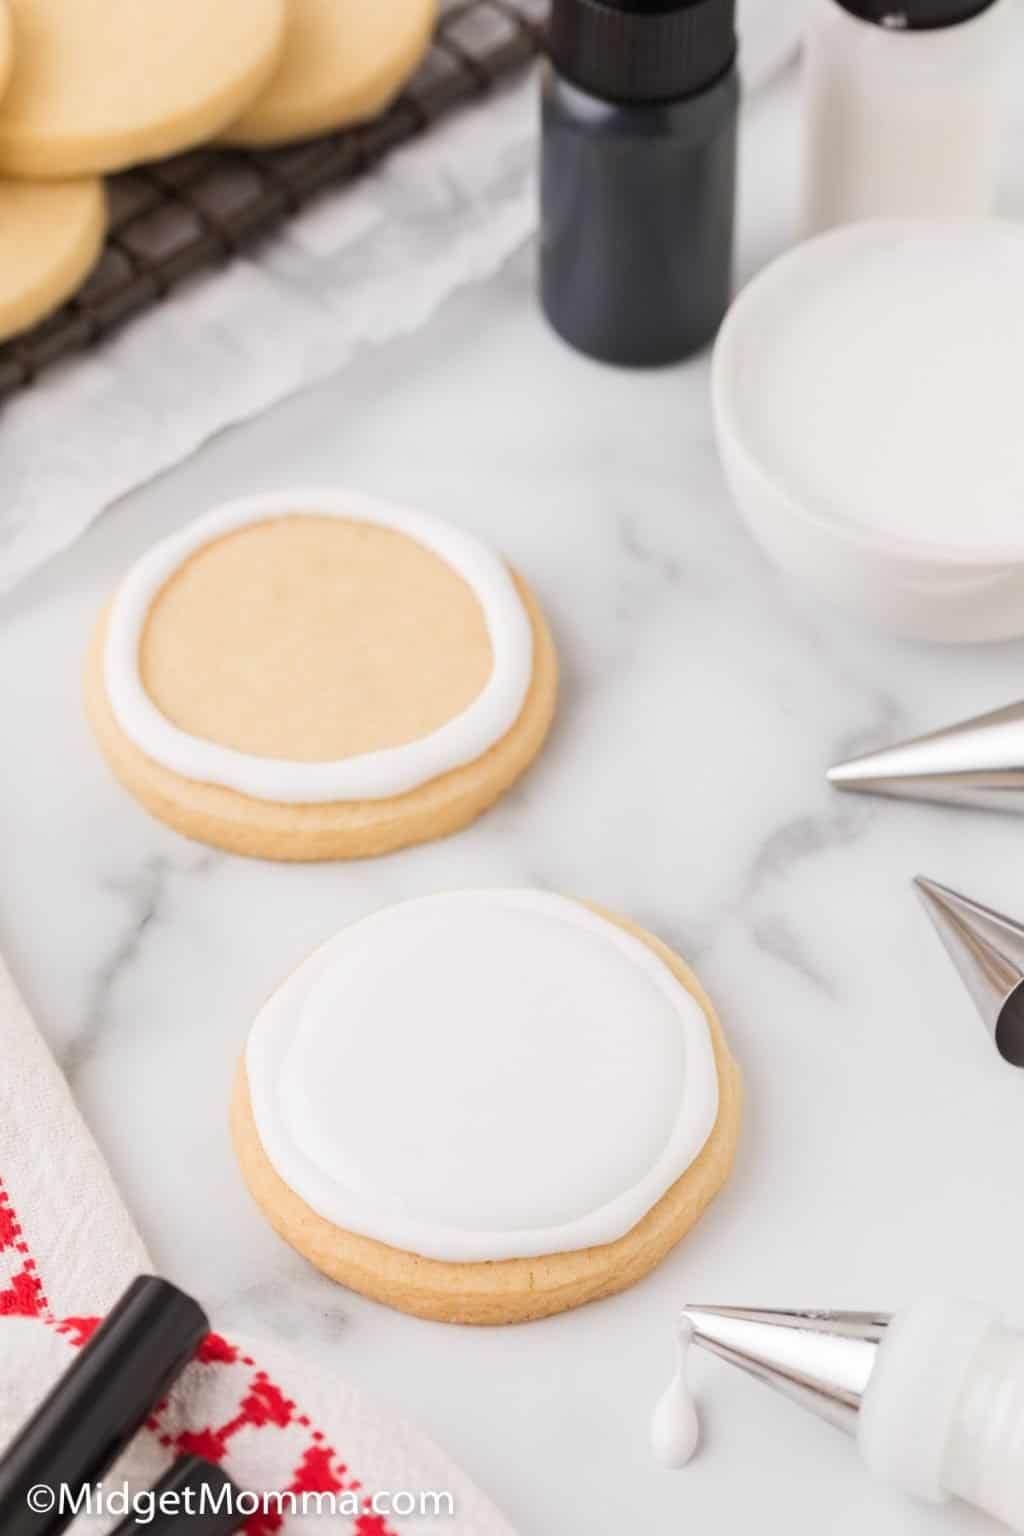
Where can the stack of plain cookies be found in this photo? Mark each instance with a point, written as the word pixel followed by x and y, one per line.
pixel 90 87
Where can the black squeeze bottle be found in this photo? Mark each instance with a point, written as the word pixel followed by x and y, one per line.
pixel 638 175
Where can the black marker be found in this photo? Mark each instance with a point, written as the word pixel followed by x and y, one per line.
pixel 98 1405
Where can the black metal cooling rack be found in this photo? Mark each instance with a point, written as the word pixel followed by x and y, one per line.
pixel 171 220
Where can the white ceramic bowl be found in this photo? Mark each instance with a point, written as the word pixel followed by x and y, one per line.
pixel 961 585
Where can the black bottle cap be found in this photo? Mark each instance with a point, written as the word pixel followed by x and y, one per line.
pixel 916 15
pixel 635 51
pixel 193 1498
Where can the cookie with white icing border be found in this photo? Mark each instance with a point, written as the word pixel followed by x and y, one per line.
pixel 316 675
pixel 343 62
pixel 487 1107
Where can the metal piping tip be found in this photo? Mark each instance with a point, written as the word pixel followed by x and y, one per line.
pixel 979 762
pixel 988 951
pixel 821 1360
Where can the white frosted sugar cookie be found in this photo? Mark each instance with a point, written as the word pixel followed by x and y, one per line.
pixel 487 1106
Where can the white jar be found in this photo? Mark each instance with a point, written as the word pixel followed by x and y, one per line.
pixel 902 108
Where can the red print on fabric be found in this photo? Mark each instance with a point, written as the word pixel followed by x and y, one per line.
pixel 23 1294
pixel 262 1405
pixel 215 1350
pixel 79 1329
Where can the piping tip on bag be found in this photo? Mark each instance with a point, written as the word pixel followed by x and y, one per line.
pixel 987 949
pixel 821 1360
pixel 978 762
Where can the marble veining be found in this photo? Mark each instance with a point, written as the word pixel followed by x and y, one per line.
pixel 145 894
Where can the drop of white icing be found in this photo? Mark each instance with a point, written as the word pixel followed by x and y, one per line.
pixel 675 1427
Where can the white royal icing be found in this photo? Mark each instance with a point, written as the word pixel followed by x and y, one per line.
pixel 483 1075
pixel 371 775
pixel 675 1424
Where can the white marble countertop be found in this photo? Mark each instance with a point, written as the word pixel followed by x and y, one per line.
pixel 883 1141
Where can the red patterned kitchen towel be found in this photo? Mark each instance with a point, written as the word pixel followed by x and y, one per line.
pixel 67 1250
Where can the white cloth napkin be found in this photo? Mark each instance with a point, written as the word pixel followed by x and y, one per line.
pixel 365 264
pixel 360 266
pixel 68 1248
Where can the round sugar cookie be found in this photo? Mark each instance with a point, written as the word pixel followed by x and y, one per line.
pixel 104 84
pixel 318 675
pixel 51 234
pixel 343 61
pixel 487 1106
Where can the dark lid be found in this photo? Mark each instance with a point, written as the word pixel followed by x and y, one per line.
pixel 916 15
pixel 642 50
pixel 99 1403
pixel 193 1498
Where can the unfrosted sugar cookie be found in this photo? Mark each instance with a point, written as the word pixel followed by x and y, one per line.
pixel 50 236
pixel 487 1106
pixel 316 675
pixel 343 62
pixel 6 46
pixel 103 84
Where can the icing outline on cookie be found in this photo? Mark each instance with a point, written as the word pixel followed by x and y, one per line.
pixel 378 775
pixel 378 1121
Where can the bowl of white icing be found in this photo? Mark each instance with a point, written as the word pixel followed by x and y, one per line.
pixel 868 394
